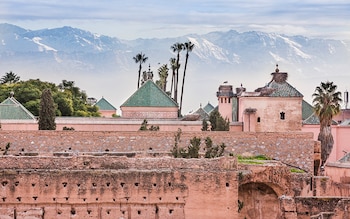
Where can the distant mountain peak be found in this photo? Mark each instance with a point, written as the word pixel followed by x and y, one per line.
pixel 67 52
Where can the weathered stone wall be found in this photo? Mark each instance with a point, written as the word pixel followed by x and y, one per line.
pixel 311 207
pixel 117 187
pixel 293 148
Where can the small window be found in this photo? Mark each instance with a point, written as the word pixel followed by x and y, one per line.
pixel 258 119
pixel 282 115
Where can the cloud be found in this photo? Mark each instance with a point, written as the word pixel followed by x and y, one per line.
pixel 316 17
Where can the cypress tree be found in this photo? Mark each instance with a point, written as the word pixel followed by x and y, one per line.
pixel 47 111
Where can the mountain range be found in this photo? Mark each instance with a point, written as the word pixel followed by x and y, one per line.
pixel 104 66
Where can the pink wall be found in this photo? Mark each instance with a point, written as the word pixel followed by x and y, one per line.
pixel 225 107
pixel 338 172
pixel 107 113
pixel 112 124
pixel 268 109
pixel 18 125
pixel 149 112
pixel 341 136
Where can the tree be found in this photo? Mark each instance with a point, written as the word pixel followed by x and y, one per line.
pixel 177 47
pixel 163 75
pixel 140 58
pixel 217 122
pixel 174 67
pixel 188 47
pixel 205 125
pixel 47 111
pixel 212 151
pixel 70 100
pixel 326 102
pixel 9 78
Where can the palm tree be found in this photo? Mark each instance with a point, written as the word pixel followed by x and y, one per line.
pixel 163 75
pixel 9 78
pixel 140 58
pixel 173 68
pixel 177 47
pixel 326 105
pixel 188 46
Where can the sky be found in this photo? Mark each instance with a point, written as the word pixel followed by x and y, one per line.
pixel 132 19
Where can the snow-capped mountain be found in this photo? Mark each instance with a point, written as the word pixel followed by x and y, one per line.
pixel 104 66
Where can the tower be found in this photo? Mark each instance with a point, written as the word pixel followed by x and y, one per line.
pixel 225 95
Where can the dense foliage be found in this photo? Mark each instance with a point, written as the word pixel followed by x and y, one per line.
pixel 193 149
pixel 47 111
pixel 217 122
pixel 69 99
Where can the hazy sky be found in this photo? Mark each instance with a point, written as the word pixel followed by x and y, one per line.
pixel 131 19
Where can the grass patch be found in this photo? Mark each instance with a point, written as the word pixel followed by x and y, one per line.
pixel 258 157
pixel 252 159
pixel 295 170
pixel 250 162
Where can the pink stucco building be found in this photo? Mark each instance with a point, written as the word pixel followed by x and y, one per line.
pixel 105 108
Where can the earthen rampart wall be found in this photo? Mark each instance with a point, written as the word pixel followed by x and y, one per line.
pixel 293 148
pixel 117 187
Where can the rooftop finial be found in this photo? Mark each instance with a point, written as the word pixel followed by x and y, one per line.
pixel 12 94
pixel 277 70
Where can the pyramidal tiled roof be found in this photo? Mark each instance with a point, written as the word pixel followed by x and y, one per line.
pixel 103 104
pixel 149 95
pixel 203 114
pixel 283 89
pixel 12 109
pixel 208 108
pixel 308 114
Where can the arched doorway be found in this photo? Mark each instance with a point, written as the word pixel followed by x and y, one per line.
pixel 258 201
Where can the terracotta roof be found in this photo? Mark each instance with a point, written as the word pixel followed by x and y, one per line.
pixel 103 104
pixel 11 109
pixel 149 95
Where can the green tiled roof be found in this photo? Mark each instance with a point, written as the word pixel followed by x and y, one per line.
pixel 208 108
pixel 308 114
pixel 283 89
pixel 12 109
pixel 202 114
pixel 149 95
pixel 103 104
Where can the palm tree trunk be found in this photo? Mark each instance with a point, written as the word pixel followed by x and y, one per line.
pixel 183 83
pixel 172 83
pixel 177 77
pixel 326 139
pixel 138 81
